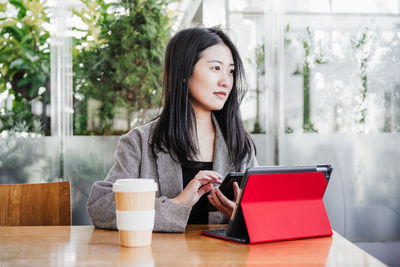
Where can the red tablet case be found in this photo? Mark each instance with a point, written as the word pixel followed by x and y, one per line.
pixel 285 206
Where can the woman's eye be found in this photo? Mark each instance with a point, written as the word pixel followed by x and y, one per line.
pixel 216 68
pixel 232 71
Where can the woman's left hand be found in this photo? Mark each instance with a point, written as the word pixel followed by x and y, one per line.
pixel 221 202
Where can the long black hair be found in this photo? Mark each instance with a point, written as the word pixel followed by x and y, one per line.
pixel 175 130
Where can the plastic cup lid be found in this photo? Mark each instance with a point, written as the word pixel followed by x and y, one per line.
pixel 134 185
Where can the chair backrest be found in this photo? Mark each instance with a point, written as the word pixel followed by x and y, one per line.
pixel 35 204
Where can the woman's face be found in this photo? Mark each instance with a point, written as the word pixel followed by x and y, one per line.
pixel 212 79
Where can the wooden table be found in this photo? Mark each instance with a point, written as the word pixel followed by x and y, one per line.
pixel 85 245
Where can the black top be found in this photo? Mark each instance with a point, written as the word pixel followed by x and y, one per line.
pixel 199 213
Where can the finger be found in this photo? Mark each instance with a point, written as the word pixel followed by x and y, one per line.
pixel 201 186
pixel 213 174
pixel 204 179
pixel 235 189
pixel 205 189
pixel 217 203
pixel 213 200
pixel 194 185
pixel 210 198
pixel 216 199
pixel 222 198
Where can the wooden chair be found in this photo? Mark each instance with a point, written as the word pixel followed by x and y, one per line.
pixel 35 204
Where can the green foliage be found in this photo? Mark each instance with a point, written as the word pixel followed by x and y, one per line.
pixel 20 118
pixel 360 44
pixel 286 40
pixel 260 58
pixel 24 61
pixel 257 128
pixel 305 70
pixel 289 130
pixel 118 60
pixel 122 66
pixel 259 54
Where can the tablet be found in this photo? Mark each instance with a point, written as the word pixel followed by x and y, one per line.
pixel 279 203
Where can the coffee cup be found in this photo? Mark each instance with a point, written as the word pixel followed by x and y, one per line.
pixel 135 210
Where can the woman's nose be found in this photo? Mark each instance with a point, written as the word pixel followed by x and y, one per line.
pixel 224 80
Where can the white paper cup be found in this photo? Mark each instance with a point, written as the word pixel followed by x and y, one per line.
pixel 135 210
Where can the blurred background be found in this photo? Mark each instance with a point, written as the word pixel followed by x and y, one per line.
pixel 323 79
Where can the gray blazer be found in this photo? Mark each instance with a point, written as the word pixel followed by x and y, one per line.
pixel 134 159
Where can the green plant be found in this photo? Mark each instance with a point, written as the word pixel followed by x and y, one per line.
pixel 289 130
pixel 25 62
pixel 20 119
pixel 308 126
pixel 360 44
pixel 122 67
pixel 259 54
pixel 310 57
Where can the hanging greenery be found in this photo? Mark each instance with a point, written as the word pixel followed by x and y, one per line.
pixel 360 45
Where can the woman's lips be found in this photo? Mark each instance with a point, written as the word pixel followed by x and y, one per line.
pixel 220 93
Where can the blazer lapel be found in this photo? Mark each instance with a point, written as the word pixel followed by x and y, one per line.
pixel 170 175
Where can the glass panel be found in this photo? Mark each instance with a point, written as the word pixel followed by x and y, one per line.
pixel 362 195
pixel 29 160
pixel 87 159
pixel 344 80
pixel 26 156
pixel 243 5
pixel 344 6
pixel 246 28
pixel 366 6
pixel 307 5
pixel 263 143
pixel 341 92
pixel 214 13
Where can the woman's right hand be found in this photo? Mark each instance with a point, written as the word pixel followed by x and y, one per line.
pixel 198 186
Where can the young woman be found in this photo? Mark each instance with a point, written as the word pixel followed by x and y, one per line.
pixel 193 144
